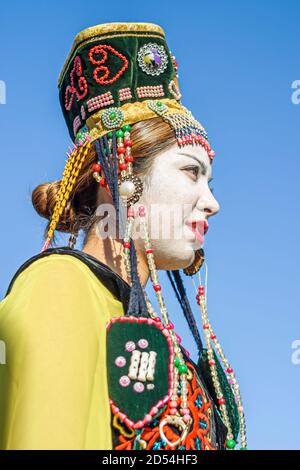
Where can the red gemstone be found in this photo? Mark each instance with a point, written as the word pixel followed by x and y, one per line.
pixel 221 401
pixel 122 166
pixel 121 150
pixel 206 326
pixel 229 370
pixel 157 287
pixel 128 143
pixel 129 158
pixel 96 167
pixel 170 326
pixel 126 244
pixel 149 250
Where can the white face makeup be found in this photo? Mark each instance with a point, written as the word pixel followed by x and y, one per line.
pixel 177 192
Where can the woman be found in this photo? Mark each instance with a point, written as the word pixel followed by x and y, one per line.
pixel 90 364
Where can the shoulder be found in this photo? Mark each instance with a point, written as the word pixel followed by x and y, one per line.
pixel 61 272
pixel 58 289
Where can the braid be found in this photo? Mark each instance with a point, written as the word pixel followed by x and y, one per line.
pixel 137 304
pixel 70 174
pixel 183 300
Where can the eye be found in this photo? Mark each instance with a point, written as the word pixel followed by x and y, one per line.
pixel 193 169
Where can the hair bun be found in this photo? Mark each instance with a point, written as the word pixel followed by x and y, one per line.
pixel 44 198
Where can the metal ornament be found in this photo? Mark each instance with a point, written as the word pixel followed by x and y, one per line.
pixel 112 118
pixel 152 59
pixel 130 188
pixel 197 263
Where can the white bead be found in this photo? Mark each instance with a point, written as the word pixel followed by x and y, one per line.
pixel 127 188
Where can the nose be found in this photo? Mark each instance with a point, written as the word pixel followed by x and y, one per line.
pixel 210 204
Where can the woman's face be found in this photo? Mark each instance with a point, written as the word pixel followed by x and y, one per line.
pixel 178 201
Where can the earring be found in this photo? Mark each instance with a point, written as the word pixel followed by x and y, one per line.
pixel 196 264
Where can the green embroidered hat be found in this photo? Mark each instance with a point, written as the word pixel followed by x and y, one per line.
pixel 118 74
pixel 123 73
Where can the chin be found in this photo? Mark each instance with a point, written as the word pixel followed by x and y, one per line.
pixel 174 259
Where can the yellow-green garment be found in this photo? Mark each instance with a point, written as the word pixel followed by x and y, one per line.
pixel 53 386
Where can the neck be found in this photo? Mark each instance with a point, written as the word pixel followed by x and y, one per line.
pixel 110 251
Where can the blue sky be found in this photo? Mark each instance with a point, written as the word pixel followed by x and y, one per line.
pixel 237 62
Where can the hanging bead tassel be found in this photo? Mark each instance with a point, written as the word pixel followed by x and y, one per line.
pixel 180 415
pixel 211 339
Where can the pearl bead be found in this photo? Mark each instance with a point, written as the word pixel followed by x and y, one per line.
pixel 127 188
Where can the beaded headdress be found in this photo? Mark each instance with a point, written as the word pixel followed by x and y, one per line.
pixel 116 75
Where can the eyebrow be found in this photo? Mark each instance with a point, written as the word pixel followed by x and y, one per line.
pixel 202 164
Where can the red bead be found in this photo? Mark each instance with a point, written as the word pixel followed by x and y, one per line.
pixel 128 143
pixel 149 250
pixel 102 182
pixel 96 167
pixel 157 287
pixel 178 338
pixel 129 158
pixel 126 244
pixel 122 166
pixel 121 150
pixel 211 362
pixel 157 319
pixel 170 326
pixel 229 370
pixel 221 401
pixel 206 326
pixel 213 336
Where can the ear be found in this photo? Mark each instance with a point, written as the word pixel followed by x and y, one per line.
pixel 104 195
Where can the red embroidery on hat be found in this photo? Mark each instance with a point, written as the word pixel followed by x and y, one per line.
pixel 102 49
pixel 71 89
